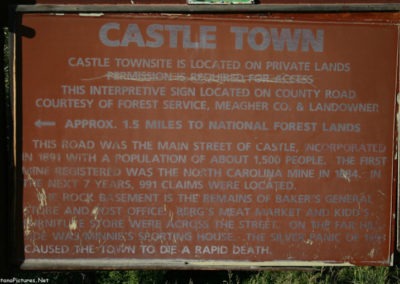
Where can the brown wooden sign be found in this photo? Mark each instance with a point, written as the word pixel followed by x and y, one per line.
pixel 370 3
pixel 194 141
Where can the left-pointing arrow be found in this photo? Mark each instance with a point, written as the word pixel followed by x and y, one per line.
pixel 39 123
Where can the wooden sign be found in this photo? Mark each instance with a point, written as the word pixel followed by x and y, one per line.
pixel 193 141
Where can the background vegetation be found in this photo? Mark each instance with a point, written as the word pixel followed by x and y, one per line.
pixel 327 275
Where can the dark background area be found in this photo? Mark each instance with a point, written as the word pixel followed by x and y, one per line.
pixel 4 188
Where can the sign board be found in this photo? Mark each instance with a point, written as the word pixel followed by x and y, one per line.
pixel 220 2
pixel 205 142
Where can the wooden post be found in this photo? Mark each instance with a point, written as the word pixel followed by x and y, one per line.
pixel 4 164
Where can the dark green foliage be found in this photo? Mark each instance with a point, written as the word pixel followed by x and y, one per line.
pixel 130 277
pixel 117 277
pixel 149 276
pixel 329 275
